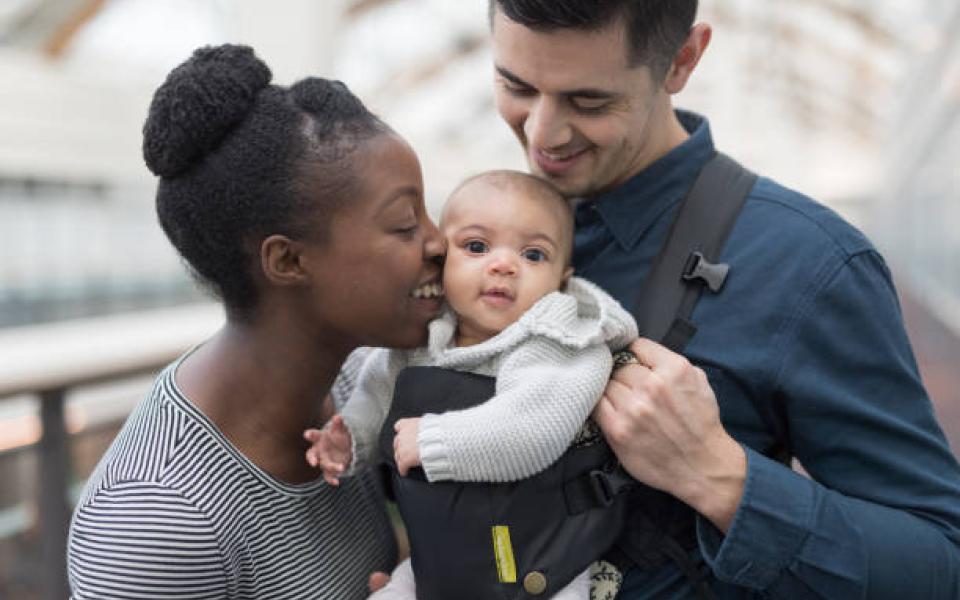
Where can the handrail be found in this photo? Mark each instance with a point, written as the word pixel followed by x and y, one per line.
pixel 73 353
pixel 48 360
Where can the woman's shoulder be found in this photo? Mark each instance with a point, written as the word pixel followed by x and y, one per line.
pixel 160 436
pixel 163 441
pixel 140 528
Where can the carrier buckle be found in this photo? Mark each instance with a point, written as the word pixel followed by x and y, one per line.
pixel 698 267
pixel 602 487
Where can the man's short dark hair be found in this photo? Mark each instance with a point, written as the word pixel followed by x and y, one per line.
pixel 656 29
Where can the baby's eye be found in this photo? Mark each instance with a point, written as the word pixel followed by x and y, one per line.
pixel 534 255
pixel 475 247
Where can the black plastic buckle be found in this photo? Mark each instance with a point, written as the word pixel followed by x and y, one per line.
pixel 602 488
pixel 698 267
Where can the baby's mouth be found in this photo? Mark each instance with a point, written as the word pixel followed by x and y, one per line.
pixel 428 290
pixel 498 292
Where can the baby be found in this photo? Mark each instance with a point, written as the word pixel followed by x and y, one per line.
pixel 513 312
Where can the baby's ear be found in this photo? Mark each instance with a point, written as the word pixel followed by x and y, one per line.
pixel 567 274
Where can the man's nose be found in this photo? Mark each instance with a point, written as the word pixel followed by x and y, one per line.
pixel 546 126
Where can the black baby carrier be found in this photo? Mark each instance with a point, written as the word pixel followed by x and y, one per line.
pixel 474 540
pixel 531 537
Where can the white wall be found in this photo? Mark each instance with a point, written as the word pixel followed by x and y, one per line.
pixel 57 123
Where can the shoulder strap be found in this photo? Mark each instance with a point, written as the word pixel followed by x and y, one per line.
pixel 686 262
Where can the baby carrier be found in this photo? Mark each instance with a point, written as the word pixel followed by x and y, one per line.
pixel 474 540
pixel 530 538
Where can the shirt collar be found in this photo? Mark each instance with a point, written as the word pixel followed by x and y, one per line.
pixel 631 209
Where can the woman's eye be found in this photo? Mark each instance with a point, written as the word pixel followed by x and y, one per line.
pixel 534 255
pixel 409 230
pixel 475 247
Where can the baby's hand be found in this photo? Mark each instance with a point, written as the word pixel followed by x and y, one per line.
pixel 406 453
pixel 330 449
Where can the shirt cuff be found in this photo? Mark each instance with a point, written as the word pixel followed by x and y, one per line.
pixel 433 450
pixel 769 528
pixel 358 452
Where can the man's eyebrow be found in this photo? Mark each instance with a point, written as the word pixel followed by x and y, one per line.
pixel 578 93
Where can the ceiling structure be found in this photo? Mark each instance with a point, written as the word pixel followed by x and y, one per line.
pixel 851 101
pixel 806 90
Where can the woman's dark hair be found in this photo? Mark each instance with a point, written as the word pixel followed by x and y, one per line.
pixel 656 29
pixel 240 159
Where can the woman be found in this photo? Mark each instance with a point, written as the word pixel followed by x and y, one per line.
pixel 304 213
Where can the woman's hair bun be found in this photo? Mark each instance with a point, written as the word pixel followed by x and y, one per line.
pixel 198 104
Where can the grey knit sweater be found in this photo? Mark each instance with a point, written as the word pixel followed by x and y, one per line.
pixel 551 367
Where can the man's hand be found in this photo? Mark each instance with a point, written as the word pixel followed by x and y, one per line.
pixel 331 449
pixel 662 420
pixel 405 450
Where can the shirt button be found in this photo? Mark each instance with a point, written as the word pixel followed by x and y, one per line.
pixel 535 583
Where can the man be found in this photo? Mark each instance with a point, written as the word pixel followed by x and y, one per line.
pixel 804 349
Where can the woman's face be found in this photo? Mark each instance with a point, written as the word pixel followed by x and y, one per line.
pixel 376 277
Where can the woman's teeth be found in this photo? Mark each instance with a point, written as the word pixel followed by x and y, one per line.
pixel 429 290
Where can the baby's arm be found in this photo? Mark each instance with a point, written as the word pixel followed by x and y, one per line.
pixel 330 449
pixel 349 441
pixel 545 392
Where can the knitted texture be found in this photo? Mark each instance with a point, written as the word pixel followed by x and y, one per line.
pixel 551 368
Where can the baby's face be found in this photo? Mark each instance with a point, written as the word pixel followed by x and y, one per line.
pixel 504 252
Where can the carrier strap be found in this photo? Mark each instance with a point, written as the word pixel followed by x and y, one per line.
pixel 597 489
pixel 688 260
pixel 687 263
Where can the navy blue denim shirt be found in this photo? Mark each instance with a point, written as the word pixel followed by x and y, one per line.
pixel 808 321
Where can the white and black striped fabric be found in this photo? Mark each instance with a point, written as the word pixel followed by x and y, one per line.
pixel 173 510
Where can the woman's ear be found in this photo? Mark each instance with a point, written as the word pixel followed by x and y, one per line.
pixel 281 260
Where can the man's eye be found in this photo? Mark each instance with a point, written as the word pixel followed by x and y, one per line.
pixel 518 90
pixel 589 105
pixel 534 255
pixel 475 247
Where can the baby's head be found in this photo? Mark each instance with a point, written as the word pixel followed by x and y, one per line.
pixel 509 242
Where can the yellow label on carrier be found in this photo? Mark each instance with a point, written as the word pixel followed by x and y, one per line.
pixel 503 553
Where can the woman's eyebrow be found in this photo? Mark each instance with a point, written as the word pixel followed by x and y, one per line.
pixel 396 195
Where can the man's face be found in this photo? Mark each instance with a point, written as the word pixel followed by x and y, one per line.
pixel 587 119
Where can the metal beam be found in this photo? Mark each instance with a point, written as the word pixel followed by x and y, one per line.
pixel 55 473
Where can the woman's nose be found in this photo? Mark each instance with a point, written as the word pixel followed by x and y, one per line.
pixel 434 246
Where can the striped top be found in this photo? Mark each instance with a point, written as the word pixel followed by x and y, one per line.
pixel 173 510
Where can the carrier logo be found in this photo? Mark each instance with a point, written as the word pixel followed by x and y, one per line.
pixel 503 554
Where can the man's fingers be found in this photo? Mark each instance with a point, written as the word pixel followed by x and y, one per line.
pixel 619 389
pixel 605 411
pixel 651 354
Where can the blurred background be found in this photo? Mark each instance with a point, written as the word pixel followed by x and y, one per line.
pixel 855 102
